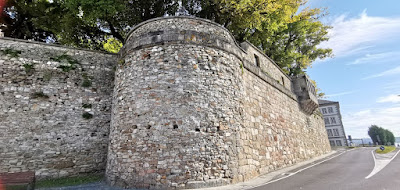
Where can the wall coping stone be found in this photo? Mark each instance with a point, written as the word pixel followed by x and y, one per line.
pixel 55 45
pixel 259 73
pixel 249 66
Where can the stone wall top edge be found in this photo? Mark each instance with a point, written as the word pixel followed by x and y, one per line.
pixel 210 22
pixel 55 45
pixel 273 62
pixel 183 17
pixel 269 80
pixel 328 104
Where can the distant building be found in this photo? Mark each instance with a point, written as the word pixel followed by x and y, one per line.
pixel 333 122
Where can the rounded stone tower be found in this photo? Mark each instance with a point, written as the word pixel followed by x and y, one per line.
pixel 176 106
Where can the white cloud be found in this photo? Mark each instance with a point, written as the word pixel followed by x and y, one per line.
pixel 392 86
pixel 348 35
pixel 394 71
pixel 357 124
pixel 393 98
pixel 377 58
pixel 340 94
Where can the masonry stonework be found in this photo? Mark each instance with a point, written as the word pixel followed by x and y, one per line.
pixel 190 108
pixel 41 108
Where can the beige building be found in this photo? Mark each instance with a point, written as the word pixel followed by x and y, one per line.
pixel 333 122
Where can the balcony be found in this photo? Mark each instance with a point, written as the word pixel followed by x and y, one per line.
pixel 305 92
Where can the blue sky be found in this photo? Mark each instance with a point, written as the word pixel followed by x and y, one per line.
pixel 364 75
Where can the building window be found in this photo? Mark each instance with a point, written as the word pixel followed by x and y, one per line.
pixel 333 120
pixel 257 60
pixel 338 142
pixel 330 109
pixel 324 110
pixel 326 121
pixel 329 132
pixel 336 132
pixel 332 143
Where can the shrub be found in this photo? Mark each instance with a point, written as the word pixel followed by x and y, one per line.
pixel 87 115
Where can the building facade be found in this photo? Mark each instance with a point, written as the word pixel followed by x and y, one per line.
pixel 333 122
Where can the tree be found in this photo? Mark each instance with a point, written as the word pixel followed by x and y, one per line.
pixel 380 135
pixel 277 27
pixel 80 23
pixel 19 20
pixel 373 133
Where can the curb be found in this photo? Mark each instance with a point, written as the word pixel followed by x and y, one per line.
pixel 274 176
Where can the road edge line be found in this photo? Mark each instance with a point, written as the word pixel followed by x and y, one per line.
pixel 292 174
pixel 373 155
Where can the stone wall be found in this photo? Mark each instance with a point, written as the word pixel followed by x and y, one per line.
pixel 192 109
pixel 276 133
pixel 46 91
pixel 188 108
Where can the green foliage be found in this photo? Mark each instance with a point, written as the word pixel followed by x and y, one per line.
pixel 112 45
pixel 320 94
pixel 285 33
pixel 21 19
pixel 39 95
pixel 80 23
pixel 16 187
pixel 242 68
pixel 68 63
pixel 28 67
pixel 87 115
pixel 380 135
pixel 11 52
pixel 86 82
pixel 47 76
pixel 121 62
pixel 69 181
pixel 65 58
pixel 87 105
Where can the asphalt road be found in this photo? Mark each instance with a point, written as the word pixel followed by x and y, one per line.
pixel 347 171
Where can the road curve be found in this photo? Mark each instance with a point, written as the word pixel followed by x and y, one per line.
pixel 347 171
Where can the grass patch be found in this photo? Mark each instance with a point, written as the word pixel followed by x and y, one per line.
pixel 86 81
pixel 28 67
pixel 69 181
pixel 39 95
pixel 69 62
pixel 47 76
pixel 387 150
pixel 87 105
pixel 16 187
pixel 11 52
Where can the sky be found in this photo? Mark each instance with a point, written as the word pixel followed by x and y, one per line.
pixel 364 74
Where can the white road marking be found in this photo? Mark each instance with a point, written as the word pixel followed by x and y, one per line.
pixel 380 164
pixel 294 173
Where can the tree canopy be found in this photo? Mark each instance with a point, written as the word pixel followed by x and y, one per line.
pixel 286 34
pixel 380 135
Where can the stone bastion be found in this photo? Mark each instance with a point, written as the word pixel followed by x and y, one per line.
pixel 192 108
pixel 182 106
